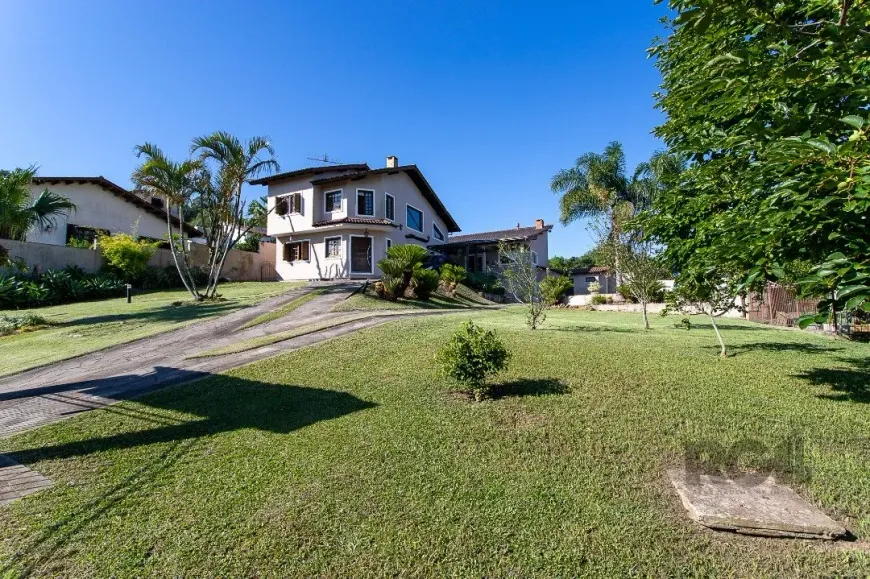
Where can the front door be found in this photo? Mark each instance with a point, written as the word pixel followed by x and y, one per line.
pixel 360 255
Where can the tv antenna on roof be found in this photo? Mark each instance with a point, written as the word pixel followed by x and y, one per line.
pixel 324 159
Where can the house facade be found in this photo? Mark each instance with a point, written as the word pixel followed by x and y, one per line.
pixel 337 222
pixel 478 252
pixel 102 206
pixel 586 276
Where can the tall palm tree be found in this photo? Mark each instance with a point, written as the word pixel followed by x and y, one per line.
pixel 598 186
pixel 235 162
pixel 176 183
pixel 19 213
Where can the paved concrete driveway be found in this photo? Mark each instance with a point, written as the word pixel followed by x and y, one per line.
pixel 44 395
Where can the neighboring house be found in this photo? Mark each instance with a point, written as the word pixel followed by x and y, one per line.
pixel 337 221
pixel 585 276
pixel 102 206
pixel 478 252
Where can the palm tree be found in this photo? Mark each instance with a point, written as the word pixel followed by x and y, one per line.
pixel 597 186
pixel 176 183
pixel 235 163
pixel 19 213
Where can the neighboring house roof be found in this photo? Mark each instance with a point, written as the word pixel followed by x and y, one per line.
pixel 359 220
pixel 515 234
pixel 593 269
pixel 416 176
pixel 117 191
pixel 310 171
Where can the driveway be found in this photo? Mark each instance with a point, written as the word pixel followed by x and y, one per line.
pixel 51 393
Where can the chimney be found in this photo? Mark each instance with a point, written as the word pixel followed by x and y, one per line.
pixel 392 162
pixel 539 223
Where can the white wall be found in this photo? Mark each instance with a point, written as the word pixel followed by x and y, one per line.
pixel 97 208
pixel 399 185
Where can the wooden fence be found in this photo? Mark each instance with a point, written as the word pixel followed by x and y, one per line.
pixel 778 306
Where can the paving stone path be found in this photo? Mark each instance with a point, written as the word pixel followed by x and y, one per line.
pixel 45 395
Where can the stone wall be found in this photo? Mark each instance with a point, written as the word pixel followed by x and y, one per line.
pixel 239 266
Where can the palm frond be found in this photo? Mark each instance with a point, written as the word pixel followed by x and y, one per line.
pixel 46 208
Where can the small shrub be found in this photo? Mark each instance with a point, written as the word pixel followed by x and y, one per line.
pixel 625 292
pixel 451 277
pixel 554 288
pixel 79 243
pixel 685 323
pixel 10 324
pixel 594 287
pixel 598 300
pixel 425 282
pixel 470 356
pixel 127 255
pixel 392 286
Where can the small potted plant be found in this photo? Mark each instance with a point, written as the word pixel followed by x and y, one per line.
pixel 594 288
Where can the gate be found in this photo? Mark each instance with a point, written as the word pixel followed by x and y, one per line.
pixel 267 271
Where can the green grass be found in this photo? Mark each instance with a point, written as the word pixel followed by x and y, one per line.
pixel 354 458
pixel 369 300
pixel 284 310
pixel 89 326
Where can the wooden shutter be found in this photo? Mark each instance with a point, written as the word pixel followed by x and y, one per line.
pixel 287 248
pixel 297 203
pixel 303 251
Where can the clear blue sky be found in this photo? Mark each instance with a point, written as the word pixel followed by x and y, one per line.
pixel 490 99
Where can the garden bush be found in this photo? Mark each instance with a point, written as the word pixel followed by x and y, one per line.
pixel 451 276
pixel 485 283
pixel 472 355
pixel 126 255
pixel 11 323
pixel 72 284
pixel 554 288
pixel 598 300
pixel 594 287
pixel 425 282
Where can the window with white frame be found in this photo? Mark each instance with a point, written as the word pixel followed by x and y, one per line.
pixel 389 207
pixel 437 233
pixel 333 247
pixel 535 257
pixel 333 201
pixel 389 243
pixel 365 202
pixel 591 279
pixel 414 218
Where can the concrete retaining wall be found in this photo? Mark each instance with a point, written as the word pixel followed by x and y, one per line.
pixel 240 265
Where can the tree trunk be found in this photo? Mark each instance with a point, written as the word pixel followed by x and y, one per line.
pixel 645 316
pixel 724 352
pixel 175 255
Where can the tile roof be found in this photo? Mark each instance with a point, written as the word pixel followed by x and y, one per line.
pixel 593 269
pixel 116 190
pixel 416 176
pixel 310 171
pixel 515 234
pixel 359 220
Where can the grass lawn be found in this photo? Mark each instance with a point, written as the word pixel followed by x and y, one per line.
pixel 88 326
pixel 369 300
pixel 284 310
pixel 354 458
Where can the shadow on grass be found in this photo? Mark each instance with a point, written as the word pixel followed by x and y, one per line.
pixel 849 384
pixel 167 313
pixel 780 347
pixel 586 328
pixel 529 387
pixel 221 404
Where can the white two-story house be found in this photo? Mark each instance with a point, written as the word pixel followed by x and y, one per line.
pixel 337 222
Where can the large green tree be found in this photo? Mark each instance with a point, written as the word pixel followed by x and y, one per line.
pixel 768 100
pixel 20 211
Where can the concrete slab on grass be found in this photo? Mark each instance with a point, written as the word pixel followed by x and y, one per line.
pixel 767 508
